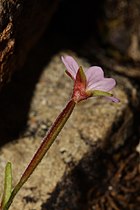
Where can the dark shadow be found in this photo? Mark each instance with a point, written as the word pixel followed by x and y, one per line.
pixel 91 182
pixel 71 26
pixel 72 191
pixel 16 96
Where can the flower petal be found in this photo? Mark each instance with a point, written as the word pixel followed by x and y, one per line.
pixel 94 74
pixel 71 66
pixel 113 99
pixel 105 84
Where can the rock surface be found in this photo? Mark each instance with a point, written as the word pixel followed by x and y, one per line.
pixel 22 22
pixel 120 27
pixel 95 125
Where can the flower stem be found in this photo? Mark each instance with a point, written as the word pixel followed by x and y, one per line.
pixel 45 145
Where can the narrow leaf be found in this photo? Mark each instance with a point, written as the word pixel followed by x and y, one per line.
pixel 7 184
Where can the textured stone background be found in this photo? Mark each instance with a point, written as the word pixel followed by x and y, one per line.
pixel 90 125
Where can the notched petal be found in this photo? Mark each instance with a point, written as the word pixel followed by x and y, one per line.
pixel 105 84
pixel 93 75
pixel 71 66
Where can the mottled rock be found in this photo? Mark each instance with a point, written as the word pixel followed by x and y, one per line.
pixel 118 39
pixel 96 124
pixel 22 22
pixel 121 27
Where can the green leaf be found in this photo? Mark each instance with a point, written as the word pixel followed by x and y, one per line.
pixel 7 184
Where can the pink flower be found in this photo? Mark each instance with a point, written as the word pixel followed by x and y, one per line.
pixel 89 82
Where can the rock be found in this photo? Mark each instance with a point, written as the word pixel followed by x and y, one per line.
pixel 21 25
pixel 120 27
pixel 121 32
pixel 95 125
pixel 138 148
pixel 117 45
